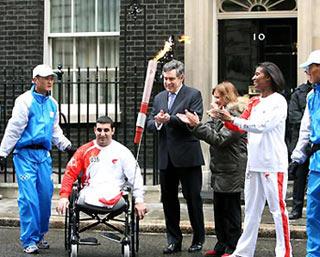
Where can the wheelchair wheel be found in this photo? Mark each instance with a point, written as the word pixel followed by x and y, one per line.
pixel 137 234
pixel 67 231
pixel 74 250
pixel 73 246
pixel 134 234
pixel 72 226
pixel 126 250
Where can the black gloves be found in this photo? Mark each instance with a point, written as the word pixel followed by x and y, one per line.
pixel 293 168
pixel 70 150
pixel 2 162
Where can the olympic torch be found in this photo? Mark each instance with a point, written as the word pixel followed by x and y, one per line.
pixel 148 84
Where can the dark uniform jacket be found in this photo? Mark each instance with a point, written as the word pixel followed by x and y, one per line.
pixel 296 108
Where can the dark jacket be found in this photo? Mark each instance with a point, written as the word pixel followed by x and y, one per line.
pixel 296 108
pixel 175 139
pixel 228 151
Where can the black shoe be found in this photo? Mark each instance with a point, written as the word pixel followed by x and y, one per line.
pixel 195 247
pixel 294 215
pixel 172 248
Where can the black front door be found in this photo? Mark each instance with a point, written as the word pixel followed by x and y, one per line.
pixel 245 43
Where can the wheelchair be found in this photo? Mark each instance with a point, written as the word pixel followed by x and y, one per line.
pixel 120 220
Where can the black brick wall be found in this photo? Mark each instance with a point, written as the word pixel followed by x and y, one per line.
pixel 21 36
pixel 21 46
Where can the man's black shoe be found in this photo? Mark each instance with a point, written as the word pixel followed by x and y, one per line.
pixel 172 248
pixel 195 247
pixel 294 215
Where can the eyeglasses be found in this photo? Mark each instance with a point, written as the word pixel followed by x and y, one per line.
pixel 106 130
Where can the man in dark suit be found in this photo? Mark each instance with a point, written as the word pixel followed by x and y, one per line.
pixel 180 156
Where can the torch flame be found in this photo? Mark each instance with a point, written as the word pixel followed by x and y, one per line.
pixel 167 47
pixel 184 39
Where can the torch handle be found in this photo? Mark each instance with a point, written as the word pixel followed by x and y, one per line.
pixel 148 84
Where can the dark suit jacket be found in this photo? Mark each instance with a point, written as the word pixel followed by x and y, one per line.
pixel 175 138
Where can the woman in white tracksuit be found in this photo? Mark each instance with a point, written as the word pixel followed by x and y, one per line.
pixel 266 175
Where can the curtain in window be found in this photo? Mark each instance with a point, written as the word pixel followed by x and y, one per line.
pixel 86 52
pixel 108 15
pixel 84 13
pixel 109 52
pixel 62 52
pixel 60 16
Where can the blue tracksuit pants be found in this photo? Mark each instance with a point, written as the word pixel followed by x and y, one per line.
pixel 313 214
pixel 33 169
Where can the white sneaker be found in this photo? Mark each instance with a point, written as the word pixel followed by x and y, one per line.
pixel 31 249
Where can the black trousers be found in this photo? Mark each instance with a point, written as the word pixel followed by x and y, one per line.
pixel 299 187
pixel 191 182
pixel 227 220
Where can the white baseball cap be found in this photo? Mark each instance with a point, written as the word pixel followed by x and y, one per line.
pixel 42 70
pixel 314 57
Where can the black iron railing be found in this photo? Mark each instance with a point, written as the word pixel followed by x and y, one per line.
pixel 83 95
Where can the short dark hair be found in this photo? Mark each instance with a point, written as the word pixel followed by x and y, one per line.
pixel 273 71
pixel 174 65
pixel 105 120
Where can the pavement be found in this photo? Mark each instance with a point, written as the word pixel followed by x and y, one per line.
pixel 154 220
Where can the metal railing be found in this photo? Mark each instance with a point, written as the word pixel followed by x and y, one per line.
pixel 83 95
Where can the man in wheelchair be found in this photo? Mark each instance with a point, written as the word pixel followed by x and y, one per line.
pixel 106 166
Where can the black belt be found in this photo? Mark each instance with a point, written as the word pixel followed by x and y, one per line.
pixel 35 147
pixel 312 148
pixel 315 148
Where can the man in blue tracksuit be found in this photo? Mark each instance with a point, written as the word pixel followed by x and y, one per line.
pixel 32 129
pixel 310 131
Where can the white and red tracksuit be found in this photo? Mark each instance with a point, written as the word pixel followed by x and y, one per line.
pixel 104 169
pixel 266 175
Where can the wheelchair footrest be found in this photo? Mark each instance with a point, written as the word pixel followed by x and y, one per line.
pixel 111 236
pixel 89 241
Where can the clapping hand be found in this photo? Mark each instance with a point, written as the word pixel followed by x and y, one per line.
pixel 221 114
pixel 183 118
pixel 162 117
pixel 192 119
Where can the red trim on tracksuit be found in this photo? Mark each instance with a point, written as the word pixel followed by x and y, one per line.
pixel 79 162
pixel 112 201
pixel 245 115
pixel 284 217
